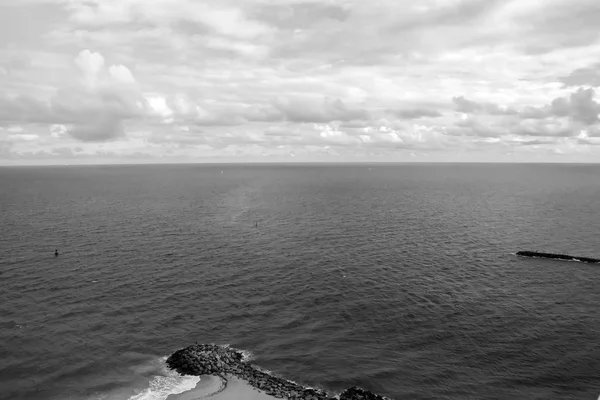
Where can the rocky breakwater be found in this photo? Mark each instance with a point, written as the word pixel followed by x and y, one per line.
pixel 356 393
pixel 223 361
pixel 566 257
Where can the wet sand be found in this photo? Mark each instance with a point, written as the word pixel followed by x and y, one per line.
pixel 210 386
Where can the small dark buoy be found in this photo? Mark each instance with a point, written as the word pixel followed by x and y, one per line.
pixel 56 253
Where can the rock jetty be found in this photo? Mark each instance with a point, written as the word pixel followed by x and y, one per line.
pixel 359 393
pixel 566 257
pixel 223 361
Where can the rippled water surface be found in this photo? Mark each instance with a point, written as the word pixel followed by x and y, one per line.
pixel 397 278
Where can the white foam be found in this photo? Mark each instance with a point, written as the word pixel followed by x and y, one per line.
pixel 170 382
pixel 246 355
pixel 266 371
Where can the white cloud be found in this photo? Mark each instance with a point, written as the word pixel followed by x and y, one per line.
pixel 158 105
pixel 223 19
pixel 28 137
pixel 90 64
pixel 121 74
pixel 269 79
pixel 15 129
pixel 57 130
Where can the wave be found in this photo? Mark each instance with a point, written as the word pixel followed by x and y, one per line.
pixel 247 355
pixel 152 380
pixel 165 384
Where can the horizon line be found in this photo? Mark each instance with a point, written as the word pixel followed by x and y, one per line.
pixel 206 163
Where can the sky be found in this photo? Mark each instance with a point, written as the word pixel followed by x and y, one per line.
pixel 163 81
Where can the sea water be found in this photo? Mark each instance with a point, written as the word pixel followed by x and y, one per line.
pixel 398 278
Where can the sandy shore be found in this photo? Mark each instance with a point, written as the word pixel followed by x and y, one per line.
pixel 236 389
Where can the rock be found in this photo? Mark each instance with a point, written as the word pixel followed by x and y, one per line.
pixel 356 393
pixel 210 359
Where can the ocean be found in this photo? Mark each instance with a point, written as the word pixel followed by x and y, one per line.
pixel 399 278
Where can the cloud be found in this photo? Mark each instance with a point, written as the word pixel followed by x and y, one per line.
pixel 559 24
pixel 101 128
pixel 580 106
pixel 476 128
pixel 415 113
pixel 535 142
pixel 564 116
pixel 551 127
pixel 444 14
pixel 76 106
pixel 300 15
pixel 199 79
pixel 6 147
pixel 91 64
pixel 121 74
pixel 26 137
pixel 22 108
pixel 14 61
pixel 225 20
pixel 318 110
pixel 468 106
pixel 587 76
pixel 94 110
pixel 57 130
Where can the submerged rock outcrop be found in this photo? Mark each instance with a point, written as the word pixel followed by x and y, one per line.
pixel 223 361
pixel 565 257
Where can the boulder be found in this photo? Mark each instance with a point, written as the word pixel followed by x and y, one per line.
pixel 357 393
pixel 211 359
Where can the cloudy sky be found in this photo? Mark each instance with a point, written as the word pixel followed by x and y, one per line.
pixel 121 81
